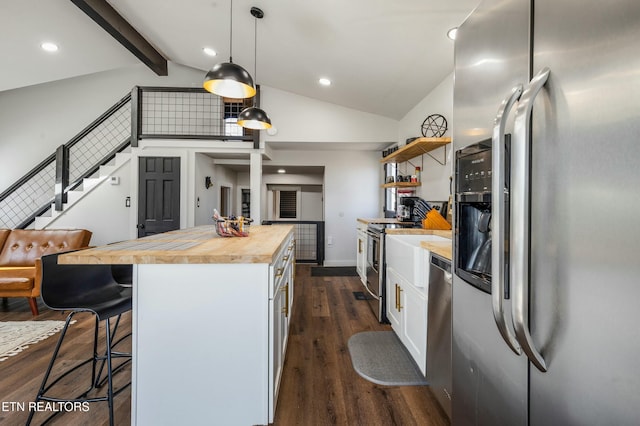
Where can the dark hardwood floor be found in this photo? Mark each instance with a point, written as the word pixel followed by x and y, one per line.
pixel 21 374
pixel 319 385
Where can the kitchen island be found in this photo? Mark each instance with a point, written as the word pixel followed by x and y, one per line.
pixel 210 322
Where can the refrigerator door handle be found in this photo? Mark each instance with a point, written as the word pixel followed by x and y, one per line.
pixel 498 219
pixel 520 200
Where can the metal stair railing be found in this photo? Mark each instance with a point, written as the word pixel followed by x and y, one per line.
pixel 51 180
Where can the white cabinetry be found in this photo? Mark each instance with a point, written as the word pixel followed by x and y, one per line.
pixel 407 313
pixel 407 290
pixel 282 272
pixel 225 327
pixel 361 252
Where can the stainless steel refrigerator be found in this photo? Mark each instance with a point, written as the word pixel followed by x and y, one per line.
pixel 547 100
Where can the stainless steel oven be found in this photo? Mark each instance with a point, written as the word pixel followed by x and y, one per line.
pixel 376 266
pixel 375 271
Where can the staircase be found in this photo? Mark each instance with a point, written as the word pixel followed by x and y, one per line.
pixel 103 176
pixel 76 169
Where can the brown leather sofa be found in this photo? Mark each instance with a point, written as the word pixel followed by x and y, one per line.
pixel 20 252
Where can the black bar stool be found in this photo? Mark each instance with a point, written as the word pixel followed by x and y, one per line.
pixel 85 288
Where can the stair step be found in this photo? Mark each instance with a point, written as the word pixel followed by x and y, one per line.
pixel 74 196
pixel 107 170
pixel 122 157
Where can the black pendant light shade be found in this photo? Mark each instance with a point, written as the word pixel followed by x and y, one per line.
pixel 229 80
pixel 254 118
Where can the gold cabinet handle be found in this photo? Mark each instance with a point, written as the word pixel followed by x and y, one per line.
pixel 279 272
pixel 285 258
pixel 285 310
pixel 399 298
pixel 359 245
pixel 396 296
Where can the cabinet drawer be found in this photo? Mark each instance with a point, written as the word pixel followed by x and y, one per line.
pixel 283 260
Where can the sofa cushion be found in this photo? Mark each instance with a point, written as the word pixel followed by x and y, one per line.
pixel 4 233
pixel 23 246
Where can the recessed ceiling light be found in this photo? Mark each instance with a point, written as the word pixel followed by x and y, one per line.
pixel 324 81
pixel 452 33
pixel 209 51
pixel 49 47
pixel 282 171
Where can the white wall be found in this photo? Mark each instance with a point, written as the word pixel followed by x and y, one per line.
pixel 435 176
pixel 205 198
pixel 102 211
pixel 311 205
pixel 301 119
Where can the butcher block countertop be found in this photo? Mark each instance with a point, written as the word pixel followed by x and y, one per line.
pixel 192 245
pixel 419 231
pixel 378 220
pixel 441 248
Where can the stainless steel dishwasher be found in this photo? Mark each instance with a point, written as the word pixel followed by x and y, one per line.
pixel 439 331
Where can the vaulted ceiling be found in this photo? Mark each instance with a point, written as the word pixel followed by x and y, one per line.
pixel 382 56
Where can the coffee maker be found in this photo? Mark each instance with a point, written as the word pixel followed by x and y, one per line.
pixel 406 210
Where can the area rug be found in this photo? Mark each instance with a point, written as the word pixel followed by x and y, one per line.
pixel 334 271
pixel 16 336
pixel 380 357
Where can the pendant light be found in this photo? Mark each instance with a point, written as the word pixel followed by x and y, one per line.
pixel 228 79
pixel 254 117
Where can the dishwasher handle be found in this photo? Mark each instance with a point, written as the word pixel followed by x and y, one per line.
pixel 443 264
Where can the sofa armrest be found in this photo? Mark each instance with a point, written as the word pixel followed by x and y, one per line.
pixel 17 271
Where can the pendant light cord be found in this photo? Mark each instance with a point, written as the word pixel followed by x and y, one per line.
pixel 256 100
pixel 231 33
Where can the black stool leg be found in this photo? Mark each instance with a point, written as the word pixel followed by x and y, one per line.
pixel 94 363
pixel 109 371
pixel 43 386
pixel 99 381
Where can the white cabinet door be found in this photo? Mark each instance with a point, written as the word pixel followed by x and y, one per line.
pixel 279 334
pixel 414 327
pixel 407 313
pixel 393 308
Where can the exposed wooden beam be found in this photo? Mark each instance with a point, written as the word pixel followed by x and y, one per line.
pixel 112 22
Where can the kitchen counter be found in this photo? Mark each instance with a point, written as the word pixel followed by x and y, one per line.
pixel 192 245
pixel 210 322
pixel 367 221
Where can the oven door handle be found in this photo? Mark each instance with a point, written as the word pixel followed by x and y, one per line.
pixel 498 226
pixel 370 292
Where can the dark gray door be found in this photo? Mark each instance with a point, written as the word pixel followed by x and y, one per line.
pixel 585 240
pixel 159 195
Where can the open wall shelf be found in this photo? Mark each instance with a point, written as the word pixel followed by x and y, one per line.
pixel 401 185
pixel 414 149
